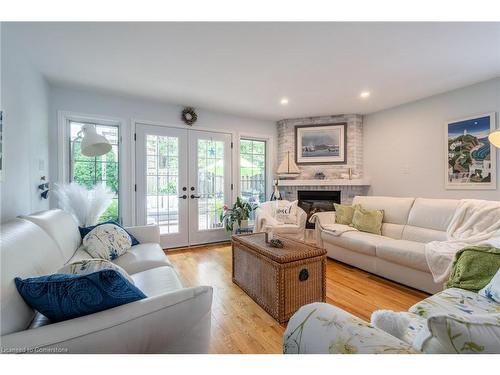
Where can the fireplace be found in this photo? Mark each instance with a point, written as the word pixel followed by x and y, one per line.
pixel 312 201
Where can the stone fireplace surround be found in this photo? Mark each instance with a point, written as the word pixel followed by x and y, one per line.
pixel 348 188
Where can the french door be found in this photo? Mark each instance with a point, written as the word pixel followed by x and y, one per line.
pixel 183 181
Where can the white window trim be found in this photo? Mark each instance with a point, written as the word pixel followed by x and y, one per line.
pixel 63 155
pixel 269 161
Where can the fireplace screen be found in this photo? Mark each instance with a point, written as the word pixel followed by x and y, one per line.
pixel 312 201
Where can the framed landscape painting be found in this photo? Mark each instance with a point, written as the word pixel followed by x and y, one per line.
pixel 321 144
pixel 470 158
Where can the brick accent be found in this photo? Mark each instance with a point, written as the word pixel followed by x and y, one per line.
pixel 286 142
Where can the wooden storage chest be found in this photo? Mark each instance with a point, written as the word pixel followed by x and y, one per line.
pixel 279 280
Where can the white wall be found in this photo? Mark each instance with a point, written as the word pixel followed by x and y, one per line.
pixel 131 109
pixel 404 146
pixel 25 131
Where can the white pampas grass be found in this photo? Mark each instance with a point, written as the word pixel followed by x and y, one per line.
pixel 86 206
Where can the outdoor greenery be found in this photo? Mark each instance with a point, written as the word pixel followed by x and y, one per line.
pixel 88 171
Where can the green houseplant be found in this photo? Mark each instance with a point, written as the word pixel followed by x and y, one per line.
pixel 238 214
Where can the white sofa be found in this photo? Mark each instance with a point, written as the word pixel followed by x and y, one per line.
pixel 265 221
pixel 172 319
pixel 398 254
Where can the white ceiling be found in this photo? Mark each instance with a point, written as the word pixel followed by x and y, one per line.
pixel 246 68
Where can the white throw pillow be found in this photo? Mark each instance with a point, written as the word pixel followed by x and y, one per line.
pixel 492 290
pixel 86 266
pixel 107 241
pixel 286 212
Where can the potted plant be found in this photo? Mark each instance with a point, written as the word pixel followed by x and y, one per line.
pixel 238 214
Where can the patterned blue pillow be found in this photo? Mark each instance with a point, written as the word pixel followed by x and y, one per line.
pixel 492 290
pixel 86 230
pixel 62 296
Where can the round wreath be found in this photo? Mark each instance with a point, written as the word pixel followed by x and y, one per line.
pixel 189 116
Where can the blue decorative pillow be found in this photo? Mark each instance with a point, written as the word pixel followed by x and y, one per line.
pixel 62 296
pixel 86 230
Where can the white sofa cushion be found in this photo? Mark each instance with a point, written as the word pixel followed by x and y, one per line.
pixel 86 266
pixel 406 253
pixel 26 251
pixel 396 210
pixel 360 242
pixel 157 281
pixel 286 228
pixel 424 235
pixel 432 213
pixel 142 257
pixel 394 231
pixel 61 226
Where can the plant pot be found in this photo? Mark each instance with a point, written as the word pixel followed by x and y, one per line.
pixel 244 224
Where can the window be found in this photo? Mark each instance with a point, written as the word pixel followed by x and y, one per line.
pixel 253 170
pixel 89 171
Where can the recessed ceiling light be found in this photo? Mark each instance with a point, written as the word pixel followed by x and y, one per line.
pixel 284 101
pixel 364 94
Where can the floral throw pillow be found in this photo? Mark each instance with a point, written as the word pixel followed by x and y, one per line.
pixel 107 241
pixel 492 290
pixel 86 266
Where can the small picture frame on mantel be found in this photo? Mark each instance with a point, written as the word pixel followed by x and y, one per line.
pixel 321 144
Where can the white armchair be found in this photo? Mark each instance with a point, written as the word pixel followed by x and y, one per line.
pixel 265 222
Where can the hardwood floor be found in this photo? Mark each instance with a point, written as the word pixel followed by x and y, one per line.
pixel 239 325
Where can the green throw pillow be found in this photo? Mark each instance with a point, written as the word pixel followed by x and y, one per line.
pixel 344 213
pixel 368 220
pixel 474 267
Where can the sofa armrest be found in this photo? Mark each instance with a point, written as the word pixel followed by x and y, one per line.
pixel 319 219
pixel 145 233
pixel 301 218
pixel 320 328
pixel 177 322
pixel 323 218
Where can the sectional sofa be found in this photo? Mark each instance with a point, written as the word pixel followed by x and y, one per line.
pixel 172 319
pixel 399 253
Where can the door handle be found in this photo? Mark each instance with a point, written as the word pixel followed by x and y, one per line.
pixel 195 196
pixel 183 196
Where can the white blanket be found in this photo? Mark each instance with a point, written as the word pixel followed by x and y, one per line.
pixel 326 220
pixel 475 222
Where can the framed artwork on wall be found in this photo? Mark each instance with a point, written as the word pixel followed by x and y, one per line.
pixel 470 161
pixel 321 144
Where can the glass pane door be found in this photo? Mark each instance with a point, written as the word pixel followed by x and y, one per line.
pixel 161 157
pixel 210 184
pixel 163 182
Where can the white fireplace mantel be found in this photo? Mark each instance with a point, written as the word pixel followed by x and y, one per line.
pixel 329 182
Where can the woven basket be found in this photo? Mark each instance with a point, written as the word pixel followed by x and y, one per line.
pixel 280 280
